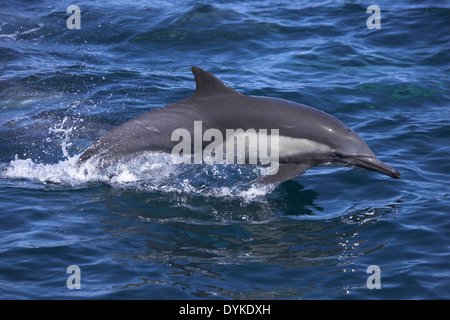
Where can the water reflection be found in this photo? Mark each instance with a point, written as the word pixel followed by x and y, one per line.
pixel 262 249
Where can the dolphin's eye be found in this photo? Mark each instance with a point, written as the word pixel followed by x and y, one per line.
pixel 350 130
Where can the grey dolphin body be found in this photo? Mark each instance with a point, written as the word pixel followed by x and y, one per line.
pixel 308 137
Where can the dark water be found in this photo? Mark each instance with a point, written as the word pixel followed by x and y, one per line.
pixel 155 231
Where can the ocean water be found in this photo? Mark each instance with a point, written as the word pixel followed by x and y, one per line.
pixel 146 229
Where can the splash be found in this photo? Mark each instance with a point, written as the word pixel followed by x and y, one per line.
pixel 65 135
pixel 148 172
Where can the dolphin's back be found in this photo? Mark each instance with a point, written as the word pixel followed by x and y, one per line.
pixel 148 132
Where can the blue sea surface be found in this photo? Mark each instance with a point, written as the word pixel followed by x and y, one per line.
pixel 150 230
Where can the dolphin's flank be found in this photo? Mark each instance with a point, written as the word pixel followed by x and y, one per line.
pixel 307 137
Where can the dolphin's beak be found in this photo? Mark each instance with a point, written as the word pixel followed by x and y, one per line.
pixel 373 164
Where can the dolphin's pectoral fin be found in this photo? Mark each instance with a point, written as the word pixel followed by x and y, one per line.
pixel 286 171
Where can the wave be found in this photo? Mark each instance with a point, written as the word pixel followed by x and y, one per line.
pixel 13 35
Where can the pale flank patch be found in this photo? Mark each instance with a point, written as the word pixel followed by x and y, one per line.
pixel 293 146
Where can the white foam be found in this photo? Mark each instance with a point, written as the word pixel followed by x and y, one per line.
pixel 147 172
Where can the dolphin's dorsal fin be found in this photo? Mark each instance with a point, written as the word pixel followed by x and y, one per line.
pixel 209 85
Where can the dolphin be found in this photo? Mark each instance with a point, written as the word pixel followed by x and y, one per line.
pixel 308 137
